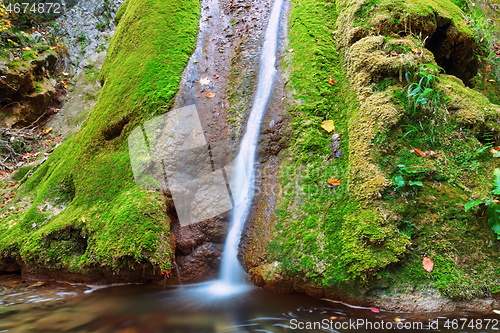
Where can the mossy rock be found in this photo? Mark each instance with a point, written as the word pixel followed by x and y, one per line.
pixel 368 233
pixel 86 209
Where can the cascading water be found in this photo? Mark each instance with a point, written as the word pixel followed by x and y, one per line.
pixel 231 271
pixel 232 280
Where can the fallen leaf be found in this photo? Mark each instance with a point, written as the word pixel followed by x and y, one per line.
pixel 418 151
pixel 205 81
pixel 331 81
pixel 393 53
pixel 37 284
pixel 428 264
pixel 334 182
pixel 327 125
pixel 210 95
pixel 375 310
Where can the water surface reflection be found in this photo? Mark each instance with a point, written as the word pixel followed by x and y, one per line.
pixel 151 309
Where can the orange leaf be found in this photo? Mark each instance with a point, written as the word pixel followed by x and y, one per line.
pixel 331 81
pixel 334 182
pixel 428 264
pixel 209 95
pixel 419 152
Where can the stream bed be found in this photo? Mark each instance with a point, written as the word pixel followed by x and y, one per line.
pixel 52 307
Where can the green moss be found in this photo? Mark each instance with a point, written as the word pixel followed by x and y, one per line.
pixel 38 87
pixel 85 191
pixel 369 231
pixel 19 174
pixel 325 234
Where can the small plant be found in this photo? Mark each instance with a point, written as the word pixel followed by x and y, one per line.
pixel 493 204
pixel 100 26
pixel 424 94
pixel 81 38
pixel 407 228
pixel 408 177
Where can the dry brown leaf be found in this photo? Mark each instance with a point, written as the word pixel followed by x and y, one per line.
pixel 327 125
pixel 37 284
pixel 334 182
pixel 331 81
pixel 210 95
pixel 419 152
pixel 428 264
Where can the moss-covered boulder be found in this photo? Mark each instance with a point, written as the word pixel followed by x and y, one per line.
pixel 80 216
pixel 413 159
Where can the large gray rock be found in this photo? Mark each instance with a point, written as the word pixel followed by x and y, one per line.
pixel 86 29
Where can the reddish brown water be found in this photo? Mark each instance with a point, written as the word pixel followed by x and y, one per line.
pixel 31 307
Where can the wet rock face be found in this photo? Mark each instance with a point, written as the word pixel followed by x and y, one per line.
pixel 227 55
pixel 198 248
pixel 202 264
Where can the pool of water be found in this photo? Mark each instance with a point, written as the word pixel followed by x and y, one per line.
pixel 51 307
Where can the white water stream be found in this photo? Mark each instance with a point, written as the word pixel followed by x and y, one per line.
pixel 231 271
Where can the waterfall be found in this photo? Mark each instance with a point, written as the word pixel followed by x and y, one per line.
pixel 232 280
pixel 231 271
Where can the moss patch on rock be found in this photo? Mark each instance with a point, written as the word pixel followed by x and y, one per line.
pixel 84 195
pixel 408 167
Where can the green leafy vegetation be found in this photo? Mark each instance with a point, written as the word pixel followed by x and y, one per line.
pixel 423 94
pixel 493 210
